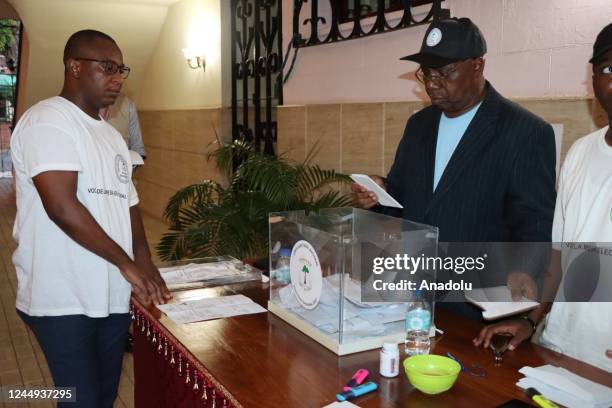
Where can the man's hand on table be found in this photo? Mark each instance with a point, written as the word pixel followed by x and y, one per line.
pixel 145 286
pixel 157 283
pixel 521 284
pixel 365 198
pixel 521 329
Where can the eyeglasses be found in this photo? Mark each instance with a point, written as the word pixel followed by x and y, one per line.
pixel 440 76
pixel 109 67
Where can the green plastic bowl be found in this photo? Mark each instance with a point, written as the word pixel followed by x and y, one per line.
pixel 430 373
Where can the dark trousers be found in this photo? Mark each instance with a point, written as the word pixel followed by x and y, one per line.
pixel 83 352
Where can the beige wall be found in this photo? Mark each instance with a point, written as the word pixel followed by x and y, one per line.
pixel 135 25
pixel 169 83
pixel 177 142
pixel 179 107
pixel 363 137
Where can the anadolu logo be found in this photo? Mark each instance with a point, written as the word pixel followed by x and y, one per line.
pixel 306 276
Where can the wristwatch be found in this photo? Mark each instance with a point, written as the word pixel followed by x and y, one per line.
pixel 533 324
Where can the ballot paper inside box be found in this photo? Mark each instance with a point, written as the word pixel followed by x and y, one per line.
pixel 330 291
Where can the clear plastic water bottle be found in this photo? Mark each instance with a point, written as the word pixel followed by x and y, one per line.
pixel 418 322
pixel 281 273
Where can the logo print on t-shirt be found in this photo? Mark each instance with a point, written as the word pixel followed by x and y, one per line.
pixel 121 169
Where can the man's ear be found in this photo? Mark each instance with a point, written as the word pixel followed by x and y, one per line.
pixel 479 64
pixel 73 68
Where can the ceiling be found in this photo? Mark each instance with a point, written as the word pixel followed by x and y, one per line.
pixel 134 24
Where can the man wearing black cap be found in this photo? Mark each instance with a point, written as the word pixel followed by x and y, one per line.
pixel 474 164
pixel 583 213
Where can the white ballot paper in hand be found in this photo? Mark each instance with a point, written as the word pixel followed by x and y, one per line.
pixel 384 198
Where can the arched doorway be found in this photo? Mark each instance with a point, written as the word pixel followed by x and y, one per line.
pixel 10 40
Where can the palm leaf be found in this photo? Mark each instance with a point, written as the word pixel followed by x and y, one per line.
pixel 209 220
pixel 196 193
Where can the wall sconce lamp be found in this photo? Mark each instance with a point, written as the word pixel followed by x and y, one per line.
pixel 194 59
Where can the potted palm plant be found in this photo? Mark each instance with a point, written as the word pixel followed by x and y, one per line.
pixel 209 219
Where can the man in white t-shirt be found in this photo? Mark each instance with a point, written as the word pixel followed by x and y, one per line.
pixel 583 214
pixel 81 245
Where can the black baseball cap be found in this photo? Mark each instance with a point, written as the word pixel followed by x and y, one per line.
pixel 449 40
pixel 603 43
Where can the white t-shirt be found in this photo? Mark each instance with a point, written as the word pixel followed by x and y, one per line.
pixel 57 276
pixel 583 213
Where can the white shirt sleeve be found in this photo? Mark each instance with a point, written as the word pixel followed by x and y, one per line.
pixel 559 218
pixel 133 198
pixel 47 147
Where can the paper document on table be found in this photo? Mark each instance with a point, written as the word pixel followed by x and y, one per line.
pixel 384 198
pixel 210 308
pixel 497 302
pixel 566 388
pixel 197 272
pixel 343 404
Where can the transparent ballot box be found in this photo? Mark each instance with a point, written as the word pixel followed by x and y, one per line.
pixel 341 275
pixel 206 272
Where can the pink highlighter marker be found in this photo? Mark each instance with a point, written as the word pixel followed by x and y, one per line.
pixel 357 379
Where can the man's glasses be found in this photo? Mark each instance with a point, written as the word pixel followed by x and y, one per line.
pixel 109 67
pixel 438 76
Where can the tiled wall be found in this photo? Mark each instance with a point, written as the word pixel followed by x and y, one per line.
pixel 351 138
pixel 363 137
pixel 177 143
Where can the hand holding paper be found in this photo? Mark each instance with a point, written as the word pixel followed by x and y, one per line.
pixel 365 198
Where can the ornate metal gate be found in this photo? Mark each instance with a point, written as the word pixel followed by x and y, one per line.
pixel 257 86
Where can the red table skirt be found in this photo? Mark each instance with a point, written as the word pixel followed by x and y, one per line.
pixel 166 375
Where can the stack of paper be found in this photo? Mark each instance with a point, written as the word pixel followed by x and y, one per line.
pixel 566 388
pixel 497 302
pixel 196 272
pixel 200 275
pixel 210 308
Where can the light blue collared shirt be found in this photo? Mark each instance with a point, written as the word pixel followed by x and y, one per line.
pixel 450 132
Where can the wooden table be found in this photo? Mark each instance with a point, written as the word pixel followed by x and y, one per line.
pixel 261 361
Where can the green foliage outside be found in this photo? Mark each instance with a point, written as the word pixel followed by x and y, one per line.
pixel 9 33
